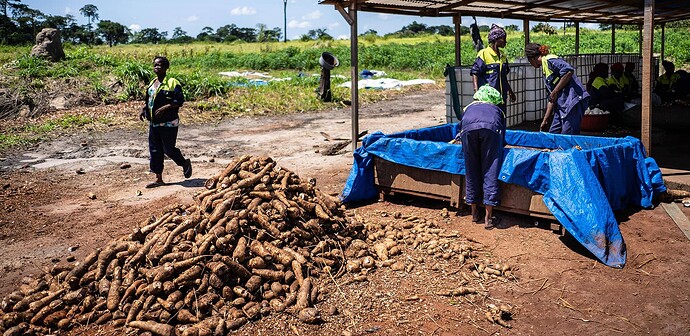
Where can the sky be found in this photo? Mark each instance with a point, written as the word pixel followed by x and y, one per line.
pixel 193 15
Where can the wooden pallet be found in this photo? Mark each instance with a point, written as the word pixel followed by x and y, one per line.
pixel 392 178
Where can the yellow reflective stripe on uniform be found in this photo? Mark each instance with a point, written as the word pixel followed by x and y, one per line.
pixel 545 67
pixel 489 56
pixel 663 79
pixel 614 81
pixel 598 83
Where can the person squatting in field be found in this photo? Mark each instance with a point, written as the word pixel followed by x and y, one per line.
pixel 482 130
pixel 161 108
pixel 568 99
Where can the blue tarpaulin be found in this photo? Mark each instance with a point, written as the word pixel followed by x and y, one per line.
pixel 583 178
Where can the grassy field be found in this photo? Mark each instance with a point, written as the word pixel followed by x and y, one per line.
pixel 119 74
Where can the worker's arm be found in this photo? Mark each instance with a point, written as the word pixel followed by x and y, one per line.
pixel 474 83
pixel 553 97
pixel 547 116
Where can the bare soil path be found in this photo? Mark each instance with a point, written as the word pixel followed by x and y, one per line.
pixel 46 216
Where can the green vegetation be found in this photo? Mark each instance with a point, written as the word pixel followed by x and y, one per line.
pixel 34 132
pixel 120 73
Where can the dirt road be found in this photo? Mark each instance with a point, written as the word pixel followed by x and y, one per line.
pixel 46 216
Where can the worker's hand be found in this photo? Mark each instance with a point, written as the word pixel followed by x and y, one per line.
pixel 553 96
pixel 142 114
pixel 159 112
pixel 512 96
pixel 543 126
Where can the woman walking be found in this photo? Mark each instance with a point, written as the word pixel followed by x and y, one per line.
pixel 162 104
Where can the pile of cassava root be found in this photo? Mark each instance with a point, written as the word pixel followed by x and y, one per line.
pixel 258 239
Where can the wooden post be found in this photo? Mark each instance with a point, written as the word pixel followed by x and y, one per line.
pixel 577 37
pixel 647 53
pixel 525 28
pixel 663 41
pixel 457 20
pixel 640 39
pixel 354 73
pixel 613 38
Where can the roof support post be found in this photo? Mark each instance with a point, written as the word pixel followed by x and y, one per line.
pixel 663 41
pixel 457 20
pixel 354 73
pixel 577 37
pixel 640 39
pixel 613 38
pixel 351 17
pixel 647 50
pixel 525 28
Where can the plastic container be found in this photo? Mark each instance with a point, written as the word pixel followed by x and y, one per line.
pixel 594 122
pixel 328 61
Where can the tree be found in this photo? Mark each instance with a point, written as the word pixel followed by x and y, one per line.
pixel 8 4
pixel 113 32
pixel 207 34
pixel 544 27
pixel 149 35
pixel 27 19
pixel 267 35
pixel 445 30
pixel 512 27
pixel 91 13
pixel 180 36
pixel 414 28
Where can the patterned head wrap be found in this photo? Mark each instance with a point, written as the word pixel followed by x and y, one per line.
pixel 496 33
pixel 486 93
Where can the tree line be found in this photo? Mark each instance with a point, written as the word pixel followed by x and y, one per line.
pixel 19 25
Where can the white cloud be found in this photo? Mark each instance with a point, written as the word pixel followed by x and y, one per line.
pixel 384 16
pixel 244 10
pixel 333 25
pixel 192 18
pixel 589 25
pixel 298 24
pixel 343 37
pixel 134 27
pixel 315 15
pixel 68 10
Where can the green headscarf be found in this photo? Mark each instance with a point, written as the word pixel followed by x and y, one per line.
pixel 487 93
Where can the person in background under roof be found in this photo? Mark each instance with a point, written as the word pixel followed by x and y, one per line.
pixel 568 99
pixel 666 84
pixel 632 80
pixel 601 94
pixel 482 130
pixel 161 107
pixel 617 81
pixel 491 66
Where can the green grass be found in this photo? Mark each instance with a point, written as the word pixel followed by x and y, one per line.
pixel 43 129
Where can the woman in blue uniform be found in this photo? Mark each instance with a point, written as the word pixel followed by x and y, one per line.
pixel 568 98
pixel 482 130
pixel 491 66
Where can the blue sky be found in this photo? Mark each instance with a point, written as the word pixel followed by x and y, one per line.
pixel 192 16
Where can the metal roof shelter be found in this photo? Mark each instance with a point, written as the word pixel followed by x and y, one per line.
pixel 641 12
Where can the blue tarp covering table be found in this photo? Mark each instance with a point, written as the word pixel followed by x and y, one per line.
pixel 583 178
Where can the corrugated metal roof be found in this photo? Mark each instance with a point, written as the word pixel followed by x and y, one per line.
pixel 605 11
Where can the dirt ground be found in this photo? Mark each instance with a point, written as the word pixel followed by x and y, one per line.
pixel 46 216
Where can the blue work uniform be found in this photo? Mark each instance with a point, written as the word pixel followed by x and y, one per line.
pixel 493 70
pixel 163 129
pixel 572 101
pixel 482 130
